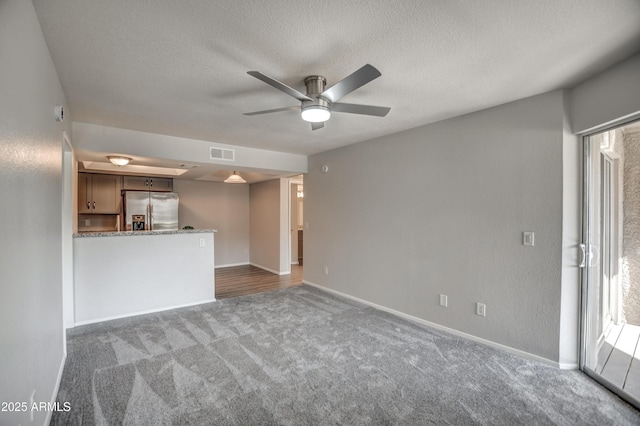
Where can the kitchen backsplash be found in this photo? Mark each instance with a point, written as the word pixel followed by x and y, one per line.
pixel 97 222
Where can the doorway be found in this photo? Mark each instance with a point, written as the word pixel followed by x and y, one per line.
pixel 296 220
pixel 611 260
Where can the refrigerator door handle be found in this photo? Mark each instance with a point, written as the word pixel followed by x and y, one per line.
pixel 150 216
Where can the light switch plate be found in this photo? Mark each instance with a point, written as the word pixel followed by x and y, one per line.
pixel 443 300
pixel 481 309
pixel 528 238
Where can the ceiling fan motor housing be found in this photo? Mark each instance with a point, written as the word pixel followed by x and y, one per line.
pixel 319 103
pixel 315 86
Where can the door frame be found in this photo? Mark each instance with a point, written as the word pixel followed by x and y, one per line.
pixel 292 181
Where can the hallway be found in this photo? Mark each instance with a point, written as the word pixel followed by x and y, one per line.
pixel 247 279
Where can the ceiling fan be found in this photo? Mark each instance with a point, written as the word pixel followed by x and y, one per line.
pixel 318 104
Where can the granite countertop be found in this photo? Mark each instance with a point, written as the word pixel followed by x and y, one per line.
pixel 131 233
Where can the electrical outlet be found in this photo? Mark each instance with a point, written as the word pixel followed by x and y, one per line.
pixel 443 300
pixel 528 238
pixel 87 222
pixel 326 270
pixel 202 242
pixel 481 309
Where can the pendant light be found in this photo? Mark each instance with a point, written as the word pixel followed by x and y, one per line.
pixel 234 178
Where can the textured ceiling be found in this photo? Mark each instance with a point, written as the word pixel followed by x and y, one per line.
pixel 179 67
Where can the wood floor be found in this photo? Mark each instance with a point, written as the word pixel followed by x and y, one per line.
pixel 619 358
pixel 247 279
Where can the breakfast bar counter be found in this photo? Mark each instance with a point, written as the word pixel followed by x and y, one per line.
pixel 120 274
pixel 138 233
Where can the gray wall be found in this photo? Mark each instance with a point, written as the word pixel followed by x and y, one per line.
pixel 31 328
pixel 607 97
pixel 265 225
pixel 400 219
pixel 220 206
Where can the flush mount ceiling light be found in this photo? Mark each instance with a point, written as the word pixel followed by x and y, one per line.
pixel 118 160
pixel 235 178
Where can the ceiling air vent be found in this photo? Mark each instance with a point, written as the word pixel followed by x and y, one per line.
pixel 222 154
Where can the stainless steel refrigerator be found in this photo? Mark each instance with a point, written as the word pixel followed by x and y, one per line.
pixel 151 211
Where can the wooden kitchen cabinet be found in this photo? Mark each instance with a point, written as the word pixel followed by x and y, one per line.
pixel 99 194
pixel 143 183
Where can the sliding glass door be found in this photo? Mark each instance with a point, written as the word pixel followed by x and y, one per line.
pixel 610 345
pixel 591 321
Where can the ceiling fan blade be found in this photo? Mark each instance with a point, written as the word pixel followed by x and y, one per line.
pixel 267 111
pixel 316 126
pixel 350 83
pixel 360 109
pixel 280 86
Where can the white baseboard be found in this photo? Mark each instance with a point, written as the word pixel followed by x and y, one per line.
pixel 446 329
pixel 273 271
pixel 150 311
pixel 229 265
pixel 568 366
pixel 56 388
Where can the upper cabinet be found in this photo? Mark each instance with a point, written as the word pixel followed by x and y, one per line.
pixel 99 193
pixel 141 183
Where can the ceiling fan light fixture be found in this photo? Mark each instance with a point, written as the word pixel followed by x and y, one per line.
pixel 234 178
pixel 319 101
pixel 316 113
pixel 117 160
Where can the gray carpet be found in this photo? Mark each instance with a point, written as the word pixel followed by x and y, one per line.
pixel 300 356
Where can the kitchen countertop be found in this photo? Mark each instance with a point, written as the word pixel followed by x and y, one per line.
pixel 132 233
